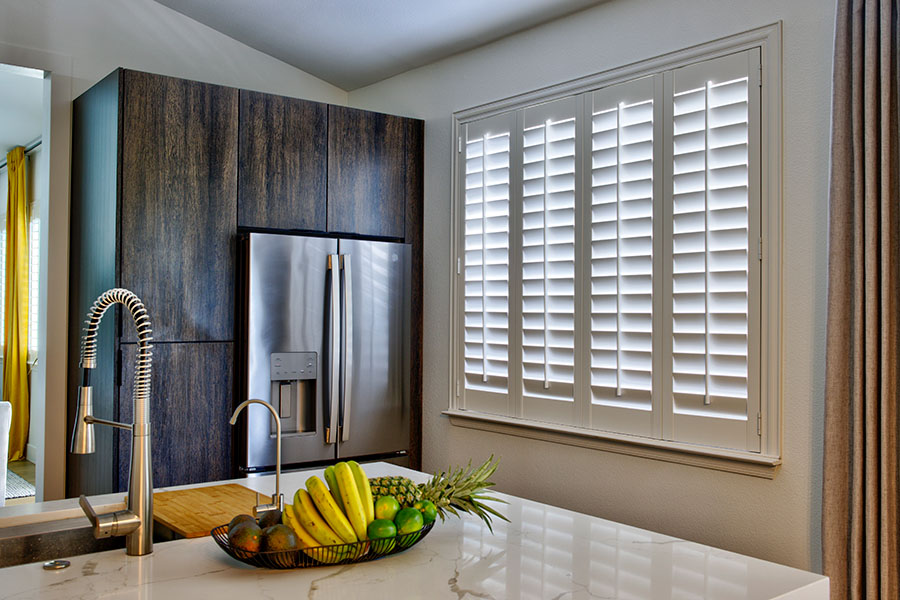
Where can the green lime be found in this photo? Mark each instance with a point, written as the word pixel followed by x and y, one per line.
pixel 409 520
pixel 381 528
pixel 428 510
pixel 386 507
pixel 377 531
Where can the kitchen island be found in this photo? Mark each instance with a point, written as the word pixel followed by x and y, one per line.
pixel 544 552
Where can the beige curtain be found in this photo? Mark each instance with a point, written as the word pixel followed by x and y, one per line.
pixel 860 494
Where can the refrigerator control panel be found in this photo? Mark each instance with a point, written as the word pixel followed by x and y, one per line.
pixel 292 366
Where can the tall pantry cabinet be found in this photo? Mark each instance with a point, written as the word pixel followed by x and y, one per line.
pixel 154 191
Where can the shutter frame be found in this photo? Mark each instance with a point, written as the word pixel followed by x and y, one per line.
pixel 667 419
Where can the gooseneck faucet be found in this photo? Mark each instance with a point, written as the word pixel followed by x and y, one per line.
pixel 277 503
pixel 136 522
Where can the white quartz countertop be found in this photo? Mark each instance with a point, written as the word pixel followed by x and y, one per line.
pixel 544 552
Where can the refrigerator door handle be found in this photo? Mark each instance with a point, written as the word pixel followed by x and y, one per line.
pixel 334 350
pixel 347 359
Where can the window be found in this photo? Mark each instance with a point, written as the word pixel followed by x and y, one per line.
pixel 610 264
pixel 34 264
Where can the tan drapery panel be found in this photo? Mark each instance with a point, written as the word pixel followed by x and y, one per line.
pixel 860 494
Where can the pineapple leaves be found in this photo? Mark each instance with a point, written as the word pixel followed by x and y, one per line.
pixel 462 489
pixel 452 491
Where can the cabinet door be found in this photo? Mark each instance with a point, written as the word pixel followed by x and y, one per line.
pixel 190 404
pixel 282 166
pixel 178 207
pixel 92 270
pixel 366 173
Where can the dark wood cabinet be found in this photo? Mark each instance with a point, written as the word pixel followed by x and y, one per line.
pixel 189 412
pixel 177 213
pixel 164 173
pixel 154 210
pixel 283 162
pixel 92 266
pixel 367 161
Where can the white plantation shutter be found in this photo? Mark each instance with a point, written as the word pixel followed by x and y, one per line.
pixel 485 176
pixel 621 257
pixel 548 261
pixel 609 273
pixel 715 266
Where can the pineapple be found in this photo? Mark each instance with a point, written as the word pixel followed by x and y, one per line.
pixel 460 490
pixel 403 489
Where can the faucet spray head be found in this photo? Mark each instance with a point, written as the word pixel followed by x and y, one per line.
pixel 83 433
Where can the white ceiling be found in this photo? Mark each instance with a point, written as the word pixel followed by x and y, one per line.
pixel 21 107
pixel 353 43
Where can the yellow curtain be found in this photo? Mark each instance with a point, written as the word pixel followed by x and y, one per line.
pixel 15 347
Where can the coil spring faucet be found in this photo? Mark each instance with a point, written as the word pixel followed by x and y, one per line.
pixel 136 522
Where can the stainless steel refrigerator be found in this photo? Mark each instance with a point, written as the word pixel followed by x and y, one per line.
pixel 324 337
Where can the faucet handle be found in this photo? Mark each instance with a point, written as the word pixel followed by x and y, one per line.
pixel 121 522
pixel 88 510
pixel 102 524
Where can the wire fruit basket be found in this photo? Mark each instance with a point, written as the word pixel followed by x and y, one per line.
pixel 340 554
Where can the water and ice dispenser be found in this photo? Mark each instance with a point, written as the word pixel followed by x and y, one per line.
pixel 293 383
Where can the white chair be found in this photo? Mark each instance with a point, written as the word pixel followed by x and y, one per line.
pixel 5 420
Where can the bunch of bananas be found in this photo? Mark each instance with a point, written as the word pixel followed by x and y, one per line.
pixel 332 515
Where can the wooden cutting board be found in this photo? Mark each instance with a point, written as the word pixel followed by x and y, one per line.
pixel 194 513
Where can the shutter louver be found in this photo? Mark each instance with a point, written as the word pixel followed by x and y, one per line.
pixel 711 268
pixel 485 267
pixel 548 261
pixel 621 258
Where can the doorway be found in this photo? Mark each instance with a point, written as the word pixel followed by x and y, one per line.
pixel 22 110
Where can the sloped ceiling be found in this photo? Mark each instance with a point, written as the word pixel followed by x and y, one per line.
pixel 354 43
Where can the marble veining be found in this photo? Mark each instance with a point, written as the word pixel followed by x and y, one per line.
pixel 543 553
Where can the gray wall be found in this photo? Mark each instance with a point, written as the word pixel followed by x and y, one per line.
pixel 776 520
pixel 79 42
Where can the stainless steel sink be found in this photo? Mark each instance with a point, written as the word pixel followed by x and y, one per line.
pixel 50 540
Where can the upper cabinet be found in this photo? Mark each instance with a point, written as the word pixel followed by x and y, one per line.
pixel 178 178
pixel 367 161
pixel 283 162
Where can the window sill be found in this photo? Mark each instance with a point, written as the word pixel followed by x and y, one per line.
pixel 732 461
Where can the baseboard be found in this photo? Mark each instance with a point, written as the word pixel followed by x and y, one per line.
pixel 31 453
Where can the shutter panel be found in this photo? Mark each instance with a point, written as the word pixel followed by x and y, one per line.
pixel 549 158
pixel 621 257
pixel 715 271
pixel 485 181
